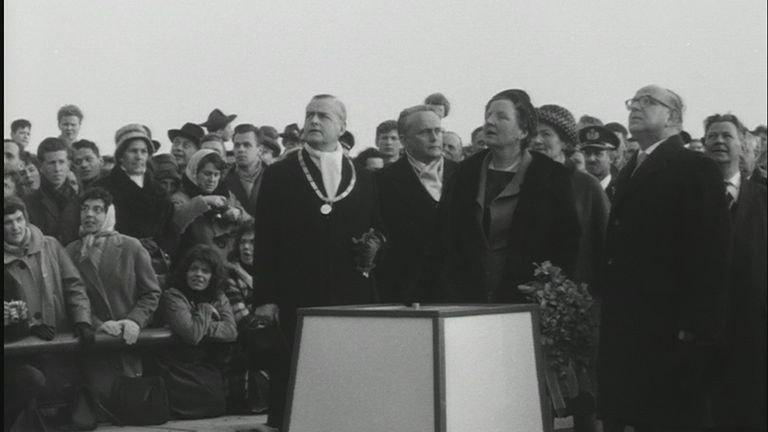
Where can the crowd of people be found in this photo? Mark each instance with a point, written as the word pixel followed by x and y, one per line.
pixel 226 237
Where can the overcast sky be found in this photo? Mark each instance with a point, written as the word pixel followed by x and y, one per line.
pixel 163 63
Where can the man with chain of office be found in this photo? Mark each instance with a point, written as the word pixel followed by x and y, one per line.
pixel 316 228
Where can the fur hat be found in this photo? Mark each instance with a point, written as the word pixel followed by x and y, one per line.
pixel 561 120
pixel 128 133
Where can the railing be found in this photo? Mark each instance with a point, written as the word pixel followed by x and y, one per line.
pixel 66 342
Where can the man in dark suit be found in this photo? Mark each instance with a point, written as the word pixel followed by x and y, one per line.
pixel 664 287
pixel 740 396
pixel 244 179
pixel 505 209
pixel 314 244
pixel 409 192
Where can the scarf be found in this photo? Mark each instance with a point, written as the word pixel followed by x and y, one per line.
pixel 430 175
pixel 21 249
pixel 92 242
pixel 61 195
pixel 329 164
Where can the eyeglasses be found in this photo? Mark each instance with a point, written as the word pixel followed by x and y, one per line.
pixel 644 101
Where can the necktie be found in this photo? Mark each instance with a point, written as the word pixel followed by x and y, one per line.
pixel 640 158
pixel 729 194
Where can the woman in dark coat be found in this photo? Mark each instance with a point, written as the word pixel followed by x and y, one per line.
pixel 143 209
pixel 200 317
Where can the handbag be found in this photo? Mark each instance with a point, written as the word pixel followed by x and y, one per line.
pixel 137 401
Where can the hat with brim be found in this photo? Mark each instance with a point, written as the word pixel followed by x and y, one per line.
pixel 128 133
pixel 165 167
pixel 189 131
pixel 598 137
pixel 217 120
pixel 291 133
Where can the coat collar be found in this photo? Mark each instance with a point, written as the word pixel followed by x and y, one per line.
pixel 34 246
pixel 627 183
pixel 513 188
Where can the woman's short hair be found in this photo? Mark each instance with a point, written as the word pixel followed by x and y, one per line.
pixel 526 113
pixel 213 158
pixel 13 204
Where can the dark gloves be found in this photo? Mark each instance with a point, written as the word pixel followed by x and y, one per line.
pixel 43 331
pixel 365 249
pixel 84 332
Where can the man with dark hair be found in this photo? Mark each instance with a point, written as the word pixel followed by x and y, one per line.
pixel 505 209
pixel 664 280
pixel 21 130
pixel 12 152
pixel 86 162
pixel 439 104
pixel 244 179
pixel 53 207
pixel 388 141
pixel 409 192
pixel 740 396
pixel 314 241
pixel 70 119
pixel 370 159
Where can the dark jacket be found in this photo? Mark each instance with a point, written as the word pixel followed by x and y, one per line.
pixel 592 208
pixel 248 201
pixel 302 257
pixel 740 398
pixel 56 216
pixel 665 272
pixel 144 212
pixel 544 227
pixel 410 222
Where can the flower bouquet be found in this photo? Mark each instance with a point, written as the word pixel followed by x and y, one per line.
pixel 567 328
pixel 16 320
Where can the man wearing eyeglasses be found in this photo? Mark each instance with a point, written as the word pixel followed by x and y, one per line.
pixel 409 192
pixel 663 285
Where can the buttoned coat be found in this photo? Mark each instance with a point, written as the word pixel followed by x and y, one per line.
pixel 544 227
pixel 302 257
pixel 740 398
pixel 410 222
pixel 665 271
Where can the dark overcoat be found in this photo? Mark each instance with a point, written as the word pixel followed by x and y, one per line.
pixel 247 200
pixel 544 227
pixel 740 397
pixel 303 258
pixel 409 218
pixel 61 223
pixel 665 271
pixel 142 212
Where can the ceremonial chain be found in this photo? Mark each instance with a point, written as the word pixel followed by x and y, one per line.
pixel 327 207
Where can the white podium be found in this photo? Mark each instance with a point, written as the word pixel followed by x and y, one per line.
pixel 443 368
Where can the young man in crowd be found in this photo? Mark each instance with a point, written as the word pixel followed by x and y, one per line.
pixel 41 274
pixel 21 131
pixel 70 119
pixel 53 208
pixel 388 141
pixel 87 163
pixel 244 179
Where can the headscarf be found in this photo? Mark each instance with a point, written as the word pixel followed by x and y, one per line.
pixel 89 240
pixel 189 182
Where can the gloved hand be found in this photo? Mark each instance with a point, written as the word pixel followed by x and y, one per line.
pixel 84 332
pixel 111 328
pixel 267 312
pixel 130 331
pixel 43 331
pixel 365 249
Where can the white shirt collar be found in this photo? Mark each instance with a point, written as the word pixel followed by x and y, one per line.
pixel 606 181
pixel 733 185
pixel 430 175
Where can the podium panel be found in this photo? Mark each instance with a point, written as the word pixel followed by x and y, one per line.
pixel 443 368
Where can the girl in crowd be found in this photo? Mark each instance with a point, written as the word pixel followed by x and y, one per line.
pixel 206 212
pixel 199 314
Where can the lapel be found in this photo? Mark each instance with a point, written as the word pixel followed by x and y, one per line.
pixel 109 259
pixel 234 186
pixel 514 186
pixel 627 183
